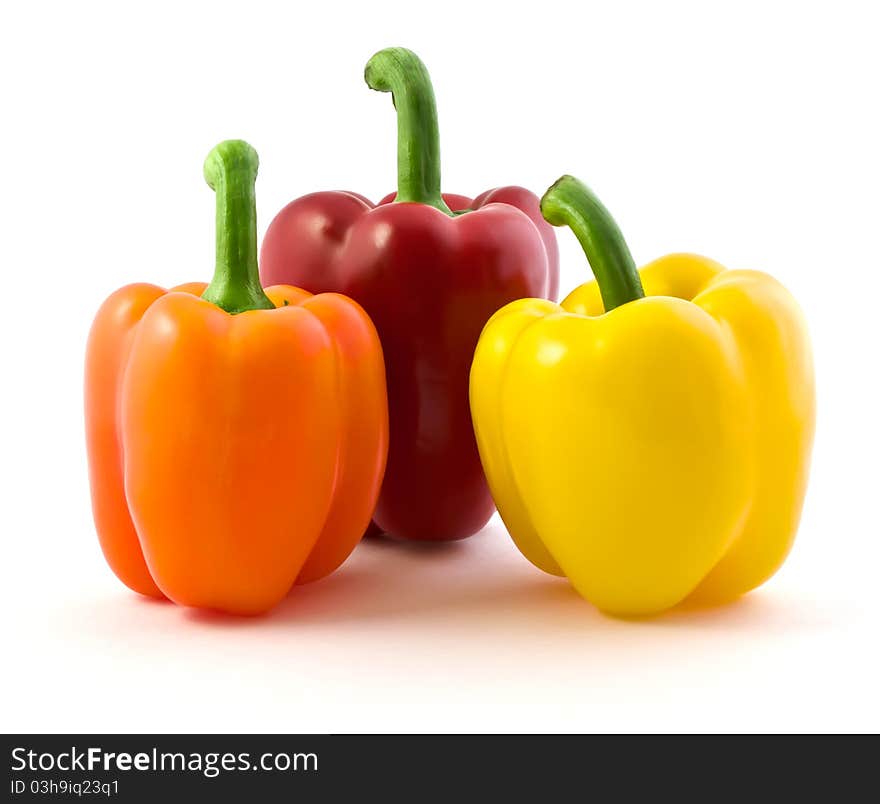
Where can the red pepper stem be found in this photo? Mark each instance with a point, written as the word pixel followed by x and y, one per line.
pixel 571 203
pixel 231 171
pixel 402 73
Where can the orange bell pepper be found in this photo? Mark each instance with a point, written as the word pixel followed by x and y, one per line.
pixel 237 438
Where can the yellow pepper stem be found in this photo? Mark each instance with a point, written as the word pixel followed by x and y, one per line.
pixel 569 202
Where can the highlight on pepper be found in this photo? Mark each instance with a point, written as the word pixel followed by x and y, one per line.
pixel 236 436
pixel 648 438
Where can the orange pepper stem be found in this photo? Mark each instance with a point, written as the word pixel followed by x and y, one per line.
pixel 231 171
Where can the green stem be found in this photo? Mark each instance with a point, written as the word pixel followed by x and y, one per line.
pixel 231 171
pixel 402 73
pixel 571 203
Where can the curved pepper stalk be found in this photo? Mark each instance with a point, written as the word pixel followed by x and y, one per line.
pixel 402 73
pixel 569 202
pixel 231 171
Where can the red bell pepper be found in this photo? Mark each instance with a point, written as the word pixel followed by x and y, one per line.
pixel 430 270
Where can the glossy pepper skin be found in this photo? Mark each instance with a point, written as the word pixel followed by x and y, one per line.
pixel 236 437
pixel 657 451
pixel 430 280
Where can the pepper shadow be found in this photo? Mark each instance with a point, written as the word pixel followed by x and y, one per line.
pixel 485 583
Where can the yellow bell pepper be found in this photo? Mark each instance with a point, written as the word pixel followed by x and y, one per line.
pixel 657 451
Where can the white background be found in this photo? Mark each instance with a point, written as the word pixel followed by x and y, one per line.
pixel 748 132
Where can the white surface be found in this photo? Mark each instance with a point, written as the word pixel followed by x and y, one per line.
pixel 748 134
